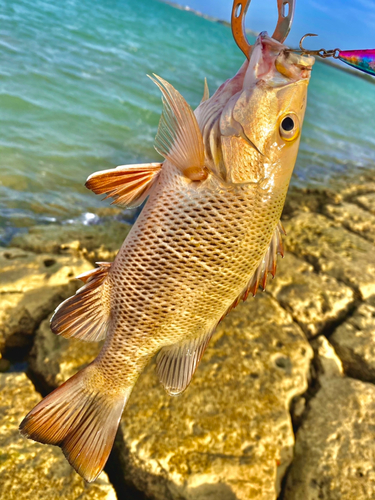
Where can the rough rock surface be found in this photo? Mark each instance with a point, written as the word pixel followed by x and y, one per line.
pixel 54 359
pixel 333 250
pixel 327 364
pixel 354 218
pixel 309 200
pixel 95 243
pixel 229 436
pixel 315 300
pixel 30 470
pixel 335 447
pixel 367 201
pixel 31 286
pixel 354 342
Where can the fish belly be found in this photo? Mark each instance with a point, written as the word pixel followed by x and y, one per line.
pixel 187 258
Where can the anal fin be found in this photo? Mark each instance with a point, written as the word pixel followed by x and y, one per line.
pixel 266 265
pixel 128 185
pixel 86 315
pixel 177 364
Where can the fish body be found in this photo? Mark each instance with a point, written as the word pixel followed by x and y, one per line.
pixel 206 238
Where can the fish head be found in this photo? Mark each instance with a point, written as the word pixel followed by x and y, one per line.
pixel 260 123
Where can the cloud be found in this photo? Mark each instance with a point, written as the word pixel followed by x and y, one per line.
pixel 364 12
pixel 367 4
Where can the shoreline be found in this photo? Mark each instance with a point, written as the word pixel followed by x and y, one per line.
pixel 305 342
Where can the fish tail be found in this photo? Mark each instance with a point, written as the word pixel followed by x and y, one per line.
pixel 79 418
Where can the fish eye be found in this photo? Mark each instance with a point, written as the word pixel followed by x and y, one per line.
pixel 289 127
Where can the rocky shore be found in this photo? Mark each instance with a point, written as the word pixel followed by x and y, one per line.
pixel 282 406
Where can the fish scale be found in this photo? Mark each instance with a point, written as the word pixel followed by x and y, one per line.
pixel 207 237
pixel 187 279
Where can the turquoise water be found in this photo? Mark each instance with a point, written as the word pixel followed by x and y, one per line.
pixel 74 98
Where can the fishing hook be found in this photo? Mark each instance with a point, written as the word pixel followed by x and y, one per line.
pixel 321 52
pixel 284 23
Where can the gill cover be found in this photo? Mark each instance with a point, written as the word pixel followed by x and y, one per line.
pixel 249 120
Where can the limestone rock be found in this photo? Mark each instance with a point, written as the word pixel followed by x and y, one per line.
pixel 354 218
pixel 32 285
pixel 54 359
pixel 96 243
pixel 229 436
pixel 314 300
pixel 32 470
pixel 335 447
pixel 367 201
pixel 328 364
pixel 354 342
pixel 333 250
pixel 309 200
pixel 365 185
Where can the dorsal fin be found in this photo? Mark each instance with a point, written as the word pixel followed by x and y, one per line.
pixel 206 91
pixel 128 185
pixel 176 364
pixel 179 138
pixel 267 265
pixel 86 315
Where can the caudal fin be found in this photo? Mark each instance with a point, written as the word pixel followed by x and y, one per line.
pixel 81 420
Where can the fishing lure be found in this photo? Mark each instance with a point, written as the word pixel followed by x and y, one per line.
pixel 363 60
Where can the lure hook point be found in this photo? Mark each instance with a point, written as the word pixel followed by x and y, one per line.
pixel 303 39
pixel 321 52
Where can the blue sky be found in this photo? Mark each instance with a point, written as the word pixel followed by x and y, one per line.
pixel 347 24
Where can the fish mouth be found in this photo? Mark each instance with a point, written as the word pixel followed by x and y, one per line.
pixel 276 64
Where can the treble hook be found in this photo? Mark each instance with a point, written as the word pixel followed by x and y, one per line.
pixel 284 22
pixel 321 52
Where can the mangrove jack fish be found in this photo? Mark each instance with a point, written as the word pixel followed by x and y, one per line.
pixel 206 238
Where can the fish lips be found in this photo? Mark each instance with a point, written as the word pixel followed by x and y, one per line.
pixel 275 63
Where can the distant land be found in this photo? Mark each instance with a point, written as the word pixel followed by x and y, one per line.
pixel 330 62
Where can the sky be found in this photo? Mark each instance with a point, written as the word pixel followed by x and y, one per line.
pixel 346 24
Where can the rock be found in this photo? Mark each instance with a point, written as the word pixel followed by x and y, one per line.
pixel 229 436
pixel 335 447
pixel 96 243
pixel 365 185
pixel 315 301
pixel 32 470
pixel 354 342
pixel 333 250
pixel 230 433
pixel 308 200
pixel 32 285
pixel 327 363
pixel 54 359
pixel 367 201
pixel 353 218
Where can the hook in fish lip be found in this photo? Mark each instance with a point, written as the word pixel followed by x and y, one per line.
pixel 321 52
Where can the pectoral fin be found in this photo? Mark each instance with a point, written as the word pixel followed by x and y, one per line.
pixel 176 364
pixel 179 138
pixel 128 185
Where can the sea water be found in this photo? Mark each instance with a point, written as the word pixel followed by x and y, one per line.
pixel 75 99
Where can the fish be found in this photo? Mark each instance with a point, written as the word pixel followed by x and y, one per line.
pixel 206 238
